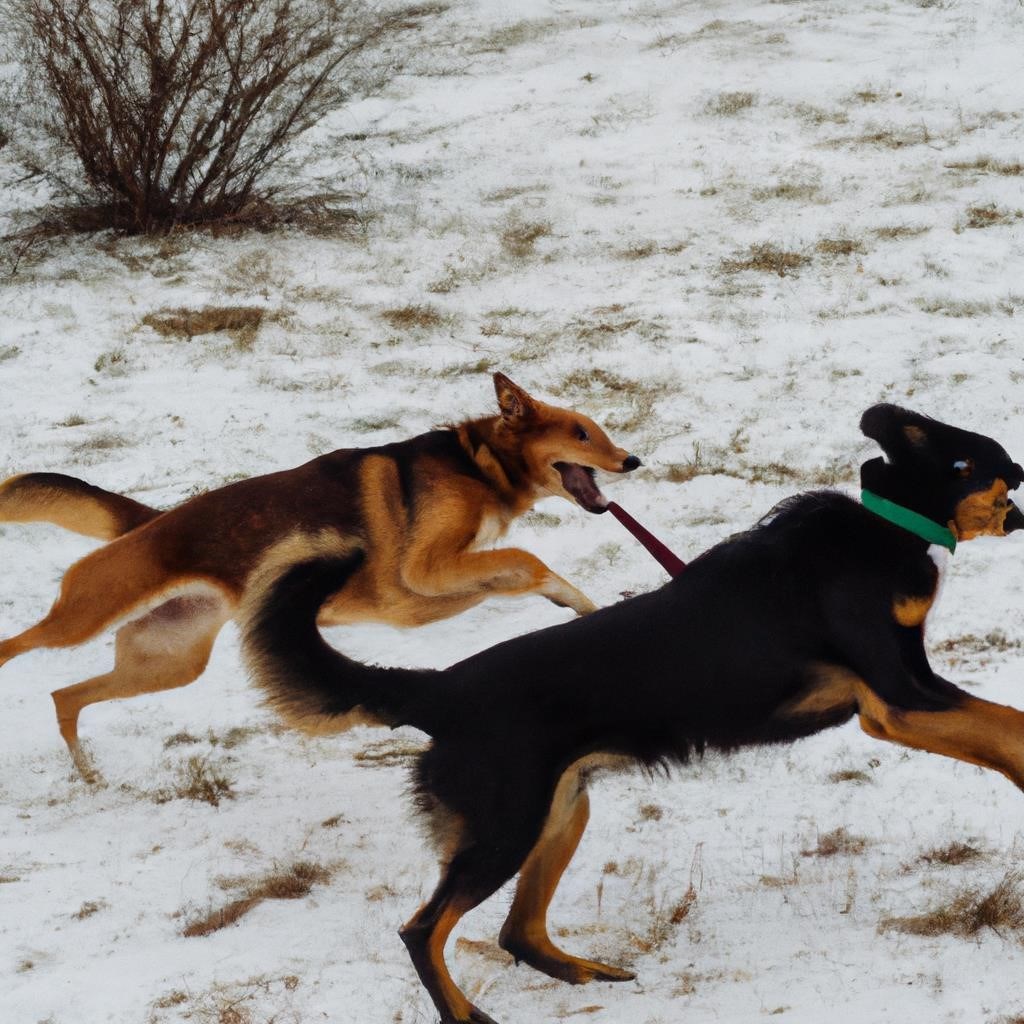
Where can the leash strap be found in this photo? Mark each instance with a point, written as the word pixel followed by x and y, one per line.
pixel 925 528
pixel 668 561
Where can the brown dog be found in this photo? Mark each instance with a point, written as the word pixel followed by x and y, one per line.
pixel 422 509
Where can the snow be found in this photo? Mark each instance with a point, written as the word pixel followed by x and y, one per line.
pixel 597 123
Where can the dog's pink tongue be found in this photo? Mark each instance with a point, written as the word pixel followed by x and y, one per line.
pixel 579 482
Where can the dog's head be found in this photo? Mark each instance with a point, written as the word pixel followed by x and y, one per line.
pixel 561 448
pixel 955 478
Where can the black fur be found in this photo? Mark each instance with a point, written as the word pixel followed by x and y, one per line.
pixel 721 657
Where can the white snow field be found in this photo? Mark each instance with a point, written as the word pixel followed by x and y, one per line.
pixel 722 229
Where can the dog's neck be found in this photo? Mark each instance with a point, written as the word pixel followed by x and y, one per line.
pixel 501 462
pixel 893 484
pixel 913 522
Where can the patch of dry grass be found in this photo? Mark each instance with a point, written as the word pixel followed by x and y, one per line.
pixel 406 318
pixel 729 104
pixel 839 246
pixel 989 215
pixel 289 883
pixel 889 137
pixel 967 308
pixel 528 30
pixel 838 841
pixel 199 779
pixel 969 912
pixel 767 259
pixel 953 853
pixel 894 232
pixel 87 909
pixel 988 165
pixel 519 237
pixel 72 420
pixel 849 775
pixel 241 322
pixel 387 753
pixel 103 442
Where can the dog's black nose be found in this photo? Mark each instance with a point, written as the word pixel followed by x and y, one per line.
pixel 630 462
pixel 1014 519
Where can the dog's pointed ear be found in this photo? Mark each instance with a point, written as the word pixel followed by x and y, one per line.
pixel 514 402
pixel 899 431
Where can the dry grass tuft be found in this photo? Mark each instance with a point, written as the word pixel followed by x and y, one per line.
pixel 849 775
pixel 291 883
pixel 519 237
pixel 990 215
pixel 665 920
pixel 521 33
pixel 387 753
pixel 893 232
pixel 839 246
pixel 767 259
pixel 988 165
pixel 967 914
pixel 406 318
pixel 952 853
pixel 728 104
pixel 87 909
pixel 104 442
pixel 181 739
pixel 891 136
pixel 242 322
pixel 72 420
pixel 838 841
pixel 198 779
pixel 970 646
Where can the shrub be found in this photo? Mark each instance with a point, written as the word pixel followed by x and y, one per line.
pixel 154 113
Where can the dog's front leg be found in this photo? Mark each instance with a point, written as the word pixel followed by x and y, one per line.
pixel 435 570
pixel 973 730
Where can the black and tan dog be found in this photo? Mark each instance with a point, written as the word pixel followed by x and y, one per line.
pixel 424 510
pixel 812 617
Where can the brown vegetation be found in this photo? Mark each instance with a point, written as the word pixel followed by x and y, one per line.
pixel 970 912
pixel 155 115
pixel 768 259
pixel 291 883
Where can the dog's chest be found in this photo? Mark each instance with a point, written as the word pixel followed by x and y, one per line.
pixel 913 610
pixel 492 527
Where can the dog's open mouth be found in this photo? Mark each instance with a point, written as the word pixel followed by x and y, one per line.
pixel 579 482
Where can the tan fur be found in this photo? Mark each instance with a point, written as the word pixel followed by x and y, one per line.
pixel 978 731
pixel 24 499
pixel 525 932
pixel 829 688
pixel 430 965
pixel 982 513
pixel 422 564
pixel 911 611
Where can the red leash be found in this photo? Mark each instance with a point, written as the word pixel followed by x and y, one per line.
pixel 668 561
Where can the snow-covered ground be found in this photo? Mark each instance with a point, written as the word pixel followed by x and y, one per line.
pixel 567 191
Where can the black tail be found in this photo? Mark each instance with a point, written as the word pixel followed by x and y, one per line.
pixel 306 679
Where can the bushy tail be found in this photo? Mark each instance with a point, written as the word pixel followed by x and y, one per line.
pixel 71 503
pixel 311 684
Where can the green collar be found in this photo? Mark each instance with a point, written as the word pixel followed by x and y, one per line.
pixel 925 528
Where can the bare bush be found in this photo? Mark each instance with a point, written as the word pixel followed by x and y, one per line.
pixel 165 112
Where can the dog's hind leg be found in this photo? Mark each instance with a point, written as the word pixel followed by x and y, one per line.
pixel 525 933
pixel 972 730
pixel 167 648
pixel 96 592
pixel 473 874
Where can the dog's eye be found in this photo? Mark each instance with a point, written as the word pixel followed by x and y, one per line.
pixel 581 433
pixel 963 467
